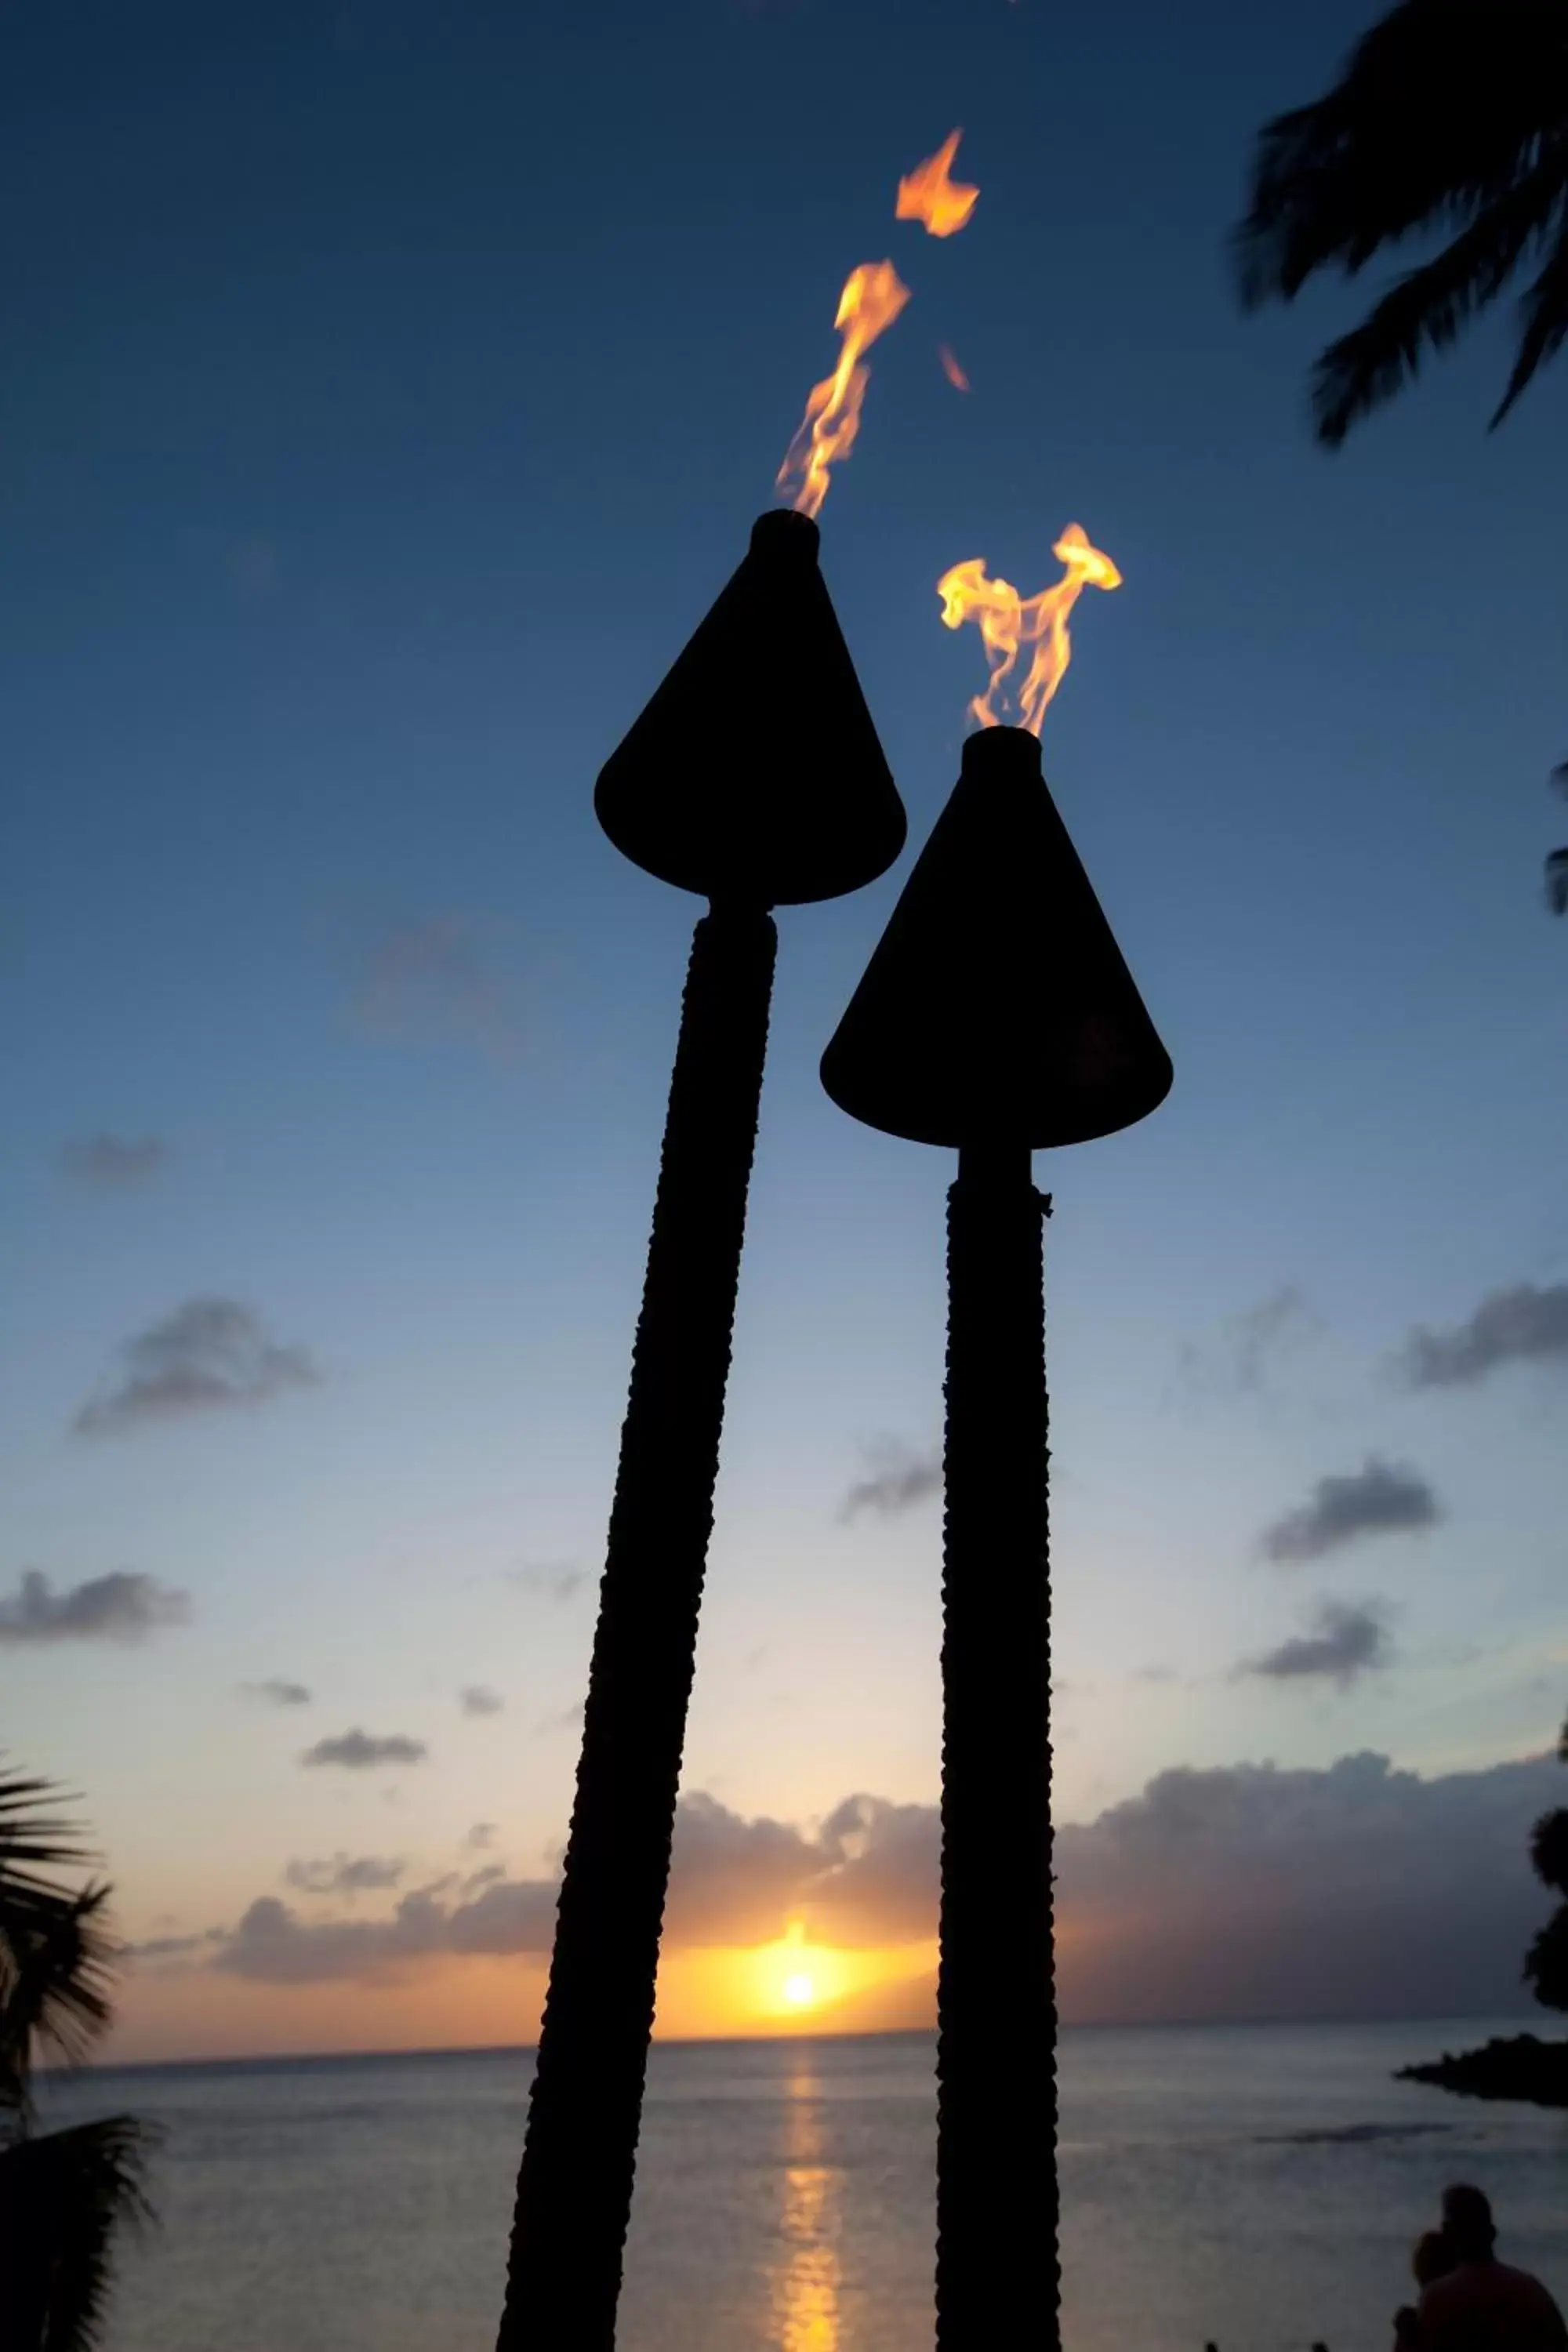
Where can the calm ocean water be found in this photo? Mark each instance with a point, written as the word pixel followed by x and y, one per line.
pixel 1255 2185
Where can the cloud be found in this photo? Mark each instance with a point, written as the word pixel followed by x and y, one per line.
pixel 897 1479
pixel 1352 1639
pixel 1248 1347
pixel 272 1945
pixel 483 1833
pixel 1380 1498
pixel 360 1751
pixel 121 1607
pixel 1357 1891
pixel 434 982
pixel 487 1876
pixel 477 1698
pixel 1245 1891
pixel 1524 1324
pixel 174 1948
pixel 345 1874
pixel 558 1579
pixel 275 1692
pixel 113 1163
pixel 209 1355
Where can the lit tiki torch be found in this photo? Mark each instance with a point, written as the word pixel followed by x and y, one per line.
pixel 997 1016
pixel 754 778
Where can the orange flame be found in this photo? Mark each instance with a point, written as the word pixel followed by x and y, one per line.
pixel 951 368
pixel 872 297
pixel 1008 622
pixel 941 205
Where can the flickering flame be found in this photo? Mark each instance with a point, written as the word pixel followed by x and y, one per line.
pixel 1009 622
pixel 872 297
pixel 951 368
pixel 941 205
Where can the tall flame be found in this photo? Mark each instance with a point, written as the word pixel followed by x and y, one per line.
pixel 941 205
pixel 1008 622
pixel 872 297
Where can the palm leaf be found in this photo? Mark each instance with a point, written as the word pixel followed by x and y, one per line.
pixel 1449 115
pixel 1557 899
pixel 1438 110
pixel 1545 323
pixel 1430 305
pixel 63 2196
pixel 56 1955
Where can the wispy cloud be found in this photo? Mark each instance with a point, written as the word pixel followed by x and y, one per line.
pixel 896 1478
pixel 1352 1639
pixel 276 1692
pixel 557 1580
pixel 437 981
pixel 123 1606
pixel 361 1752
pixel 113 1163
pixel 478 1698
pixel 1241 1358
pixel 344 1874
pixel 210 1354
pixel 1526 1324
pixel 175 1948
pixel 1380 1498
pixel 483 1833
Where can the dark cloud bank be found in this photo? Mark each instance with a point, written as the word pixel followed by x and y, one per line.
pixel 1247 1891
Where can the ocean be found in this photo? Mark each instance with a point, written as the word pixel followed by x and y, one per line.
pixel 1256 2187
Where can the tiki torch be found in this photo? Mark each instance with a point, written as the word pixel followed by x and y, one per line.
pixel 996 1014
pixel 754 778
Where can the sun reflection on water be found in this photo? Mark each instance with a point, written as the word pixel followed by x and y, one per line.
pixel 805 2281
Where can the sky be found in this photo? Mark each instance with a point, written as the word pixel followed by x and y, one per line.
pixel 386 391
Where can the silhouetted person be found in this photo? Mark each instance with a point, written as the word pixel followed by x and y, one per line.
pixel 1480 2305
pixel 1431 2257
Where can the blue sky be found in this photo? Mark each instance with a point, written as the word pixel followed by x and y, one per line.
pixel 386 393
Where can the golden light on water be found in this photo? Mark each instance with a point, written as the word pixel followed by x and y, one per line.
pixel 805 2282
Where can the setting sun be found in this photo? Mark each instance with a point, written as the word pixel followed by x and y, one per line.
pixel 799 1991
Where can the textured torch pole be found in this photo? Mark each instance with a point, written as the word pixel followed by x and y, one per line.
pixel 996 2015
pixel 996 1014
pixel 717 790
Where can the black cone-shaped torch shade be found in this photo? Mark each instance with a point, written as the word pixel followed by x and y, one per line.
pixel 754 773
pixel 996 1008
